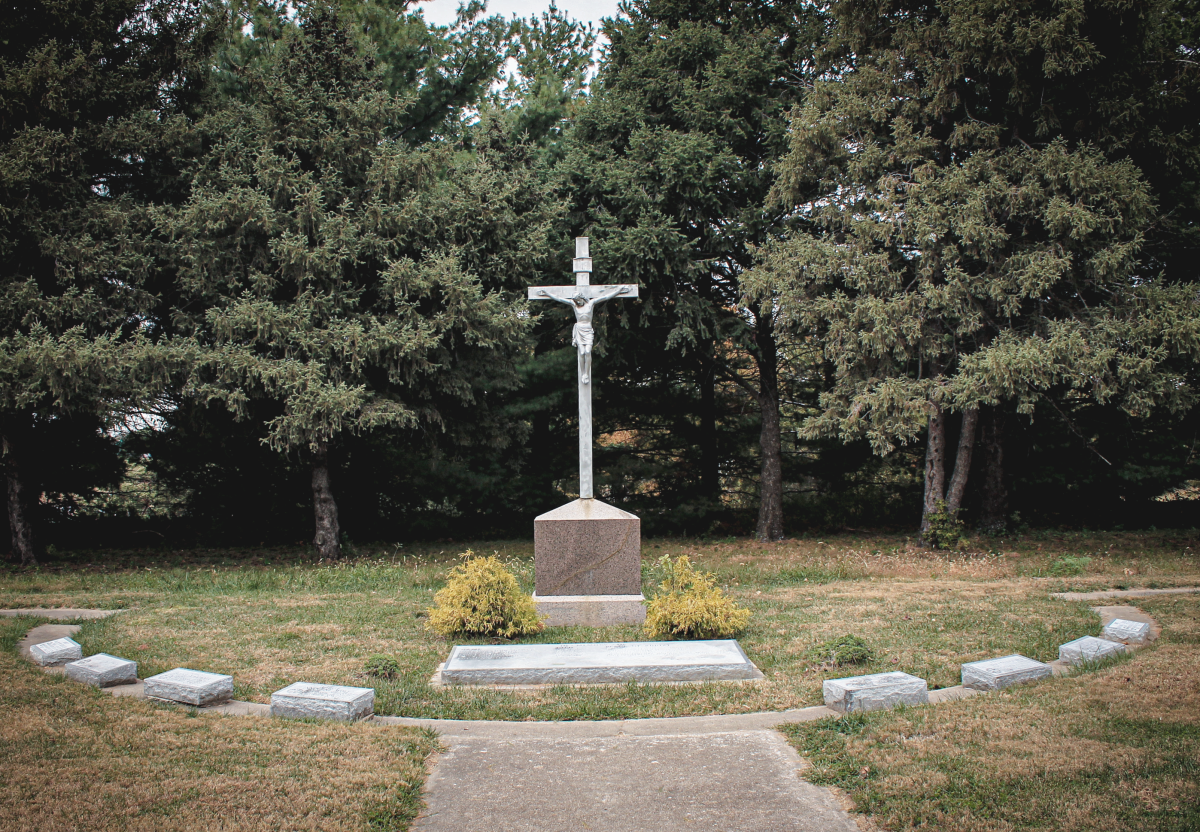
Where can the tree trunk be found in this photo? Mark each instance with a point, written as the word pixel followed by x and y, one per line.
pixel 770 507
pixel 710 476
pixel 935 466
pixel 324 506
pixel 962 462
pixel 18 518
pixel 994 515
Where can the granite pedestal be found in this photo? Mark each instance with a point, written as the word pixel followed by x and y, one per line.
pixel 190 687
pixel 997 674
pixel 103 671
pixel 635 661
pixel 57 652
pixel 306 700
pixel 875 692
pixel 1089 649
pixel 1130 632
pixel 588 565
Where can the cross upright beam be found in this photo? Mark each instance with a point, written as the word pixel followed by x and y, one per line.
pixel 583 298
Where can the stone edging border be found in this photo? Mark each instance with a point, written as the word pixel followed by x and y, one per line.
pixel 658 726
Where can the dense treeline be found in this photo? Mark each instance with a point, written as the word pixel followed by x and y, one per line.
pixel 264 266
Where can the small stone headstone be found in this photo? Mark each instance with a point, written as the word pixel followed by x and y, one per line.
pixel 875 692
pixel 996 674
pixel 54 653
pixel 190 687
pixel 1130 632
pixel 305 699
pixel 1089 649
pixel 103 671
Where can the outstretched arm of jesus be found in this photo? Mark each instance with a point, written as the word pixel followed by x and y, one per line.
pixel 549 296
pixel 609 294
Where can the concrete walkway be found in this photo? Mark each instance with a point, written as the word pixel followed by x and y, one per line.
pixel 746 780
pixel 727 773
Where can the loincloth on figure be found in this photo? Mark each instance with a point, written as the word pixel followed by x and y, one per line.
pixel 582 337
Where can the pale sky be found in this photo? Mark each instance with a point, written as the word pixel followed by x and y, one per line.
pixel 442 12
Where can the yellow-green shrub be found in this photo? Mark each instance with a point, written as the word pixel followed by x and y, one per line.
pixel 482 598
pixel 691 605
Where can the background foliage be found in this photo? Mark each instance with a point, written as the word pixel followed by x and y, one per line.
pixel 242 243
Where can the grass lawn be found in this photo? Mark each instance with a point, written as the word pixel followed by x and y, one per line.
pixel 270 617
pixel 1113 749
pixel 72 757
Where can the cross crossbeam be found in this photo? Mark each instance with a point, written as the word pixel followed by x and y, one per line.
pixel 583 299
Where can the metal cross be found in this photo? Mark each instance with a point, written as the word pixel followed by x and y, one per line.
pixel 583 299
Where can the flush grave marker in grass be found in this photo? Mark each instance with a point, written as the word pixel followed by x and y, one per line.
pixel 1089 649
pixel 54 653
pixel 190 687
pixel 306 700
pixel 1130 632
pixel 875 692
pixel 601 663
pixel 103 671
pixel 997 674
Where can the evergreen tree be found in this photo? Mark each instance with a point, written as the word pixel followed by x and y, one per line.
pixel 552 56
pixel 443 71
pixel 670 165
pixel 90 100
pixel 332 268
pixel 977 221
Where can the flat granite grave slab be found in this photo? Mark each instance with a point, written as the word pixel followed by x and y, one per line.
pixel 996 674
pixel 876 692
pixel 54 653
pixel 1130 632
pixel 103 671
pixel 1089 649
pixel 603 663
pixel 190 687
pixel 307 700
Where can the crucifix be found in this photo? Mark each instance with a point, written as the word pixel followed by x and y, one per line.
pixel 583 299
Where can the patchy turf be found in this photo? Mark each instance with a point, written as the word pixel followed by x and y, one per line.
pixel 274 617
pixel 1117 748
pixel 72 757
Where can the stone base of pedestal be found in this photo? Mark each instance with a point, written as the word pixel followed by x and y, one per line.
pixel 587 548
pixel 591 610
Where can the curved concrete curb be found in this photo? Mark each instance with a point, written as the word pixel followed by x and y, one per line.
pixel 654 726
pixel 485 767
pixel 63 613
pixel 1100 595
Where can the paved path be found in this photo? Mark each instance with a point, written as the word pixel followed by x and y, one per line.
pixel 747 781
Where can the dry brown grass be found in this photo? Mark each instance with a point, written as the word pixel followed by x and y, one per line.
pixel 267 641
pixel 1115 749
pixel 922 612
pixel 72 757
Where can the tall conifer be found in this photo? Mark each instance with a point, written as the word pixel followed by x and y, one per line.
pixel 971 176
pixel 90 100
pixel 334 269
pixel 671 164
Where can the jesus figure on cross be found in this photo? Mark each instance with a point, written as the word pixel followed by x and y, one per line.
pixel 583 298
pixel 582 335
